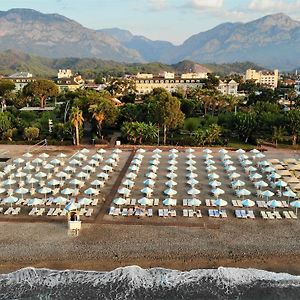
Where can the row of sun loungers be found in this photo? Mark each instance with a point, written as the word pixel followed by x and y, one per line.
pixel 276 215
pixel 215 213
pixel 191 213
pixel 243 214
pixel 13 211
pixel 125 212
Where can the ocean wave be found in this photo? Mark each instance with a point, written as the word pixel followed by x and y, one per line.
pixel 134 282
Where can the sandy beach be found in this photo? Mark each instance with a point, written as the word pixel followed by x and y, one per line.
pixel 106 242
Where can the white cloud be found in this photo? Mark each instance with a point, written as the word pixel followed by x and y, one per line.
pixel 158 5
pixel 204 4
pixel 268 6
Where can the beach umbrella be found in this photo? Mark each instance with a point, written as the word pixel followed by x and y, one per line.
pixel 247 162
pixel 243 192
pixel 85 201
pixel 20 175
pixel 61 175
pixel 27 155
pixel 281 184
pixel 227 162
pixel 259 155
pixel 60 200
pixel 190 162
pixel 251 169
pixel 72 205
pixel 117 150
pixel 91 191
pixel 211 168
pixel 9 182
pixel 45 190
pixel 88 168
pixel 213 176
pixel 289 194
pixel 110 161
pixel 217 191
pixel 154 162
pixel 105 176
pixel 264 163
pixel 37 161
pixel 191 175
pixel 28 167
pixel 55 161
pixel 139 156
pixel 80 155
pixel 147 190
pixel 69 169
pixel 214 183
pixel 48 167
pixel 169 202
pixel 115 156
pixel 144 201
pixel 93 162
pixel 171 175
pixel 134 168
pixel 189 150
pixel 173 155
pixel 226 157
pixel 267 194
pixel 296 204
pixel 40 175
pixel 107 168
pixel 101 151
pixel 74 162
pixel 170 192
pixel 156 156
pixel 261 184
pixel 128 183
pixel 234 175
pixel 96 183
pixel 192 182
pixel 172 168
pixel 149 182
pixel 255 151
pixel 191 168
pixel 141 150
pixel 248 203
pixel 223 151
pixel 209 162
pixel 172 162
pixel 97 157
pixel 22 191
pixel 173 150
pixel 153 168
pixel 275 176
pixel 119 201
pixel 190 156
pixel 44 155
pixel 151 175
pixel 220 203
pixel 255 176
pixel 53 182
pixel 124 191
pixel 269 169
pixel 170 183
pixel 61 155
pixel 84 150
pixel 238 183
pixel 82 175
pixel 240 151
pixel 32 181
pixel 2 190
pixel 193 191
pixel 35 202
pixel 274 203
pixel 136 162
pixel 208 156
pixel 10 200
pixel 207 151
pixel 19 160
pixel 157 150
pixel 194 202
pixel 243 157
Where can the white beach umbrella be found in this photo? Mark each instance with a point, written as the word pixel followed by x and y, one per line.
pixel 152 168
pixel 227 162
pixel 117 150
pixel 19 160
pixel 264 163
pixel 226 157
pixel 243 157
pixel 53 182
pixel 61 175
pixel 172 168
pixel 139 156
pixel 193 191
pixel 259 155
pixel 40 175
pixel 69 169
pixel 82 175
pixel 85 201
pixel 194 202
pixel 32 181
pixel 238 183
pixel 190 162
pixel 21 174
pixel 141 150
pixel 275 176
pixel 240 151
pixel 91 191
pixel 169 202
pixel 115 156
pixel 55 161
pixel 28 167
pixel 110 161
pixel 156 156
pixel 209 162
pixel 251 169
pixel 172 162
pixel 22 191
pixel 208 156
pixel 261 184
pixel 243 192
pixel 105 176
pixel 211 168
pixel 119 201
pixel 129 175
pixel 101 151
pixel 173 155
pixel 247 162
pixel 88 168
pixel 144 201
pixel 48 167
pixel 128 183
pixel 10 200
pixel 171 183
pixel 255 176
pixel 74 162
pixel 9 182
pixel 93 162
pixel 44 155
pixel 215 183
pixel 192 182
pixel 248 203
pixel 124 191
pixel 80 155
pixel 154 162
pixel 190 156
pixel 72 205
pixel 207 151
pixel 296 204
pixel 173 150
pixel 213 176
pixel 191 168
pixel 37 161
pixel 234 175
pixel 189 150
pixel 171 175
pixel 61 155
pixel 147 190
pixel 134 168
pixel 136 162
pixel 157 150
pixel 289 194
pixel 96 183
pixel 60 200
pixel 27 155
pixel 97 157
pixel 149 182
pixel 35 202
pixel 267 194
pixel 107 168
pixel 281 184
pixel 274 203
pixel 217 191
pixel 255 151
pixel 84 150
pixel 191 175
pixel 170 192
pixel 45 190
pixel 269 169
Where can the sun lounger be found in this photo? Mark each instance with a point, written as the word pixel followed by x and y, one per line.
pixel 33 211
pixel 16 211
pixel 211 213
pixel 125 212
pixel 234 203
pixel 217 214
pixel 1 209
pixel 142 212
pixel 251 214
pixel 270 215
pixel 198 213
pixel 117 212
pixel 173 213
pixel 137 212
pixel 156 201
pixel 277 215
pixel 10 192
pixel 284 204
pixel 243 214
pixel 223 213
pixel 286 214
pixel 51 211
pixel 292 214
pixel 207 202
pixel 95 201
pixel 160 212
pixel 166 212
pixel 239 203
pixel 133 201
pixel 8 211
pixel 185 202
pixel 40 212
pixel 21 183
pixel 64 212
pixel 185 213
pixel 264 215
pixel 57 212
pixel 130 212
pixel 238 213
pixel 150 212
pixel 191 213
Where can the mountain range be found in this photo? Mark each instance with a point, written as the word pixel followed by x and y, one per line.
pixel 272 41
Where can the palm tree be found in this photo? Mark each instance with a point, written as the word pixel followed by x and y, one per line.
pixel 77 121
pixel 278 134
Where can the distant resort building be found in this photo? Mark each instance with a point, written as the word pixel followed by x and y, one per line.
pixel 145 83
pixel 228 88
pixel 67 82
pixel 265 78
pixel 21 79
pixel 297 87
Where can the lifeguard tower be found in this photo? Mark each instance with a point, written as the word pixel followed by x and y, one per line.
pixel 74 223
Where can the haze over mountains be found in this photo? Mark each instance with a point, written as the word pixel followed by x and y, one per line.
pixel 271 41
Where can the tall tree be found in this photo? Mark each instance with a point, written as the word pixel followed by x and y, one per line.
pixel 42 89
pixel 293 124
pixel 245 125
pixel 6 87
pixel 77 120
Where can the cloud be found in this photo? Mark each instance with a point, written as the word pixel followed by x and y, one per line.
pixel 204 4
pixel 158 5
pixel 273 5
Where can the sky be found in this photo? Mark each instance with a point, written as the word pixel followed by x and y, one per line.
pixel 170 20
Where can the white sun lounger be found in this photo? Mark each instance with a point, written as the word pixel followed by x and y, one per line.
pixel 251 214
pixel 277 215
pixel 64 212
pixel 173 213
pixel 160 212
pixel 185 213
pixel 33 211
pixel 1 209
pixel 238 213
pixel 191 213
pixel 270 215
pixel 286 214
pixel 166 212
pixel 125 212
pixel 8 211
pixel 198 213
pixel 50 211
pixel 264 215
pixel 133 201
pixel 292 214
pixel 150 212
pixel 111 210
pixel 40 212
pixel 185 202
pixel 16 211
pixel 156 201
pixel 130 212
pixel 95 202
pixel 117 212
pixel 82 211
pixel 57 211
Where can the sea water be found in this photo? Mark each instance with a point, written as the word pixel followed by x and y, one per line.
pixel 134 282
